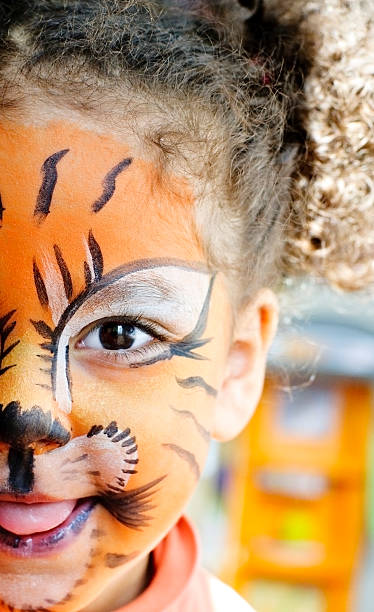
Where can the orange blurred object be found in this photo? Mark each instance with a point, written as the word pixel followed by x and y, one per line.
pixel 297 496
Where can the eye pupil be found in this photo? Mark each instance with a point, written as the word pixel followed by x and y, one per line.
pixel 114 336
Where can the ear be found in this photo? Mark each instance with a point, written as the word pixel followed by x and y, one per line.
pixel 241 390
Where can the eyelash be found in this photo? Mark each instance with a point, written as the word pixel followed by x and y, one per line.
pixel 132 358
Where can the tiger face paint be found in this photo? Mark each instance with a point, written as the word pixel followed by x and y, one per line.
pixel 109 361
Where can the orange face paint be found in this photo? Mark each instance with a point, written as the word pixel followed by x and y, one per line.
pixel 110 357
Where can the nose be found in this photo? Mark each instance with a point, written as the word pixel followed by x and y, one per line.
pixel 22 431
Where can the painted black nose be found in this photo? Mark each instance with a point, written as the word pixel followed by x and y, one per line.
pixel 20 429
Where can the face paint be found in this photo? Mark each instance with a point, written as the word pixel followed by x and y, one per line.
pixel 109 360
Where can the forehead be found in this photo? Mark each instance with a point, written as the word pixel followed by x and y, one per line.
pixel 58 182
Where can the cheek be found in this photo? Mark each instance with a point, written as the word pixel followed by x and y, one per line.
pixel 169 410
pixel 163 404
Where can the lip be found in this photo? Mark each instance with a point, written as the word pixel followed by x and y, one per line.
pixel 48 542
pixel 28 498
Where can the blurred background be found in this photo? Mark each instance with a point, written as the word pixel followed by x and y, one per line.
pixel 286 511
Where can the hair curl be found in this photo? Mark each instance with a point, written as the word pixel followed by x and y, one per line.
pixel 331 229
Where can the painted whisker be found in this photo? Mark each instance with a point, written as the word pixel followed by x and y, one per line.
pixel 189 415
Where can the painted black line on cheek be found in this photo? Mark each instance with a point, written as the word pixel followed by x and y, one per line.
pixel 2 209
pixel 48 346
pixel 129 442
pixel 97 533
pixel 40 286
pixel 186 349
pixel 132 450
pixel 122 435
pixel 64 271
pixel 109 184
pixel 80 458
pixel 87 274
pixel 45 370
pixel 111 429
pixel 49 171
pixel 95 429
pixel 196 381
pixel 193 340
pixel 46 332
pixel 44 386
pixel 201 429
pixel 21 470
pixel 113 560
pixel 47 358
pixel 186 456
pixel 97 256
pixel 5 331
pixel 129 506
pixel 43 329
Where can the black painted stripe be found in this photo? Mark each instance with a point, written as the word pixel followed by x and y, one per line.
pixel 42 386
pixel 40 286
pixel 87 274
pixel 187 456
pixel 6 329
pixel 205 434
pixel 43 329
pixel 95 429
pixel 97 256
pixel 21 470
pixel 64 270
pixel 2 209
pixel 49 172
pixel 109 184
pixel 121 436
pixel 9 349
pixel 197 381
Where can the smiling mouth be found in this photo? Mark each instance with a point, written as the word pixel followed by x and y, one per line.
pixel 53 526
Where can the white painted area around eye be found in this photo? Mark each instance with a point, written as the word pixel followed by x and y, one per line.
pixel 171 296
pixel 62 391
pixel 54 285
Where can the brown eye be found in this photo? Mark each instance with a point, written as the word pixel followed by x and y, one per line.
pixel 115 336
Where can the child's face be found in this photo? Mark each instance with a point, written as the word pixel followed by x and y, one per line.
pixel 114 337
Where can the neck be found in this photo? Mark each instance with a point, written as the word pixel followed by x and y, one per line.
pixel 124 588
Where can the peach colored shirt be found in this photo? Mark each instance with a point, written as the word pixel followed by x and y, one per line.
pixel 179 583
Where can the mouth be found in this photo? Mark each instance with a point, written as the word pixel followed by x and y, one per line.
pixel 42 529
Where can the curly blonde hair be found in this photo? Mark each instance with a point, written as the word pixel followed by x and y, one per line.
pixel 331 228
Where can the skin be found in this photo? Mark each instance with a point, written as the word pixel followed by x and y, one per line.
pixel 140 230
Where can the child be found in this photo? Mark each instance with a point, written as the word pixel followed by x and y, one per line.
pixel 146 149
